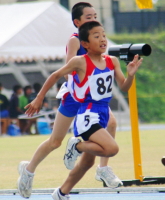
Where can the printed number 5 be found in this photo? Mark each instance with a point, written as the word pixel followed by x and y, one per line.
pixel 86 119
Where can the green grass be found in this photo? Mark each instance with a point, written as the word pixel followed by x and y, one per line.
pixel 51 172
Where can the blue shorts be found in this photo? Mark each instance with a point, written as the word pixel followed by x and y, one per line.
pixel 4 114
pixel 69 107
pixel 90 114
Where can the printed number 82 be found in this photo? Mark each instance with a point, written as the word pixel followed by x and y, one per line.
pixel 101 87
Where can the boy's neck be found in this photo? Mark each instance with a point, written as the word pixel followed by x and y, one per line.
pixel 96 57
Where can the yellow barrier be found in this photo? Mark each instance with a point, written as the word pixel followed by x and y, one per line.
pixel 135 131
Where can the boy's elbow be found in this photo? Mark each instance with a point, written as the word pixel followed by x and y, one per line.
pixel 124 89
pixel 56 76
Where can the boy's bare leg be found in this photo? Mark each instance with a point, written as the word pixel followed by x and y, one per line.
pixel 26 169
pixel 112 124
pixel 60 128
pixel 110 178
pixel 111 128
pixel 101 143
pixel 85 163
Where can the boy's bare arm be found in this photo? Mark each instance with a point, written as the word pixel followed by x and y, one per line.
pixel 75 64
pixel 125 83
pixel 72 48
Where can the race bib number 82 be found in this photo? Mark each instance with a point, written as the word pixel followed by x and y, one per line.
pixel 101 85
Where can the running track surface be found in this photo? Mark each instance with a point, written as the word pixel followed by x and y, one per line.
pixel 94 196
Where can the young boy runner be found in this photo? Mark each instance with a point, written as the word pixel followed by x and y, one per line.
pixel 81 12
pixel 95 83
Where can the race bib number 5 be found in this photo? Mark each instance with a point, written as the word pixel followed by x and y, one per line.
pixel 85 120
pixel 101 85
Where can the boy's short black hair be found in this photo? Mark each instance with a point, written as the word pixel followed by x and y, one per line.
pixel 27 88
pixel 16 88
pixel 77 10
pixel 37 87
pixel 85 28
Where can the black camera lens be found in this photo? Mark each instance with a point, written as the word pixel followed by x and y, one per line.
pixel 126 52
pixel 141 49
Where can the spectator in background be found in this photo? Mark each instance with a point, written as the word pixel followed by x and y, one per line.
pixel 32 96
pixel 14 109
pixel 4 113
pixel 45 122
pixel 25 124
pixel 24 99
pixel 36 87
pixel 4 104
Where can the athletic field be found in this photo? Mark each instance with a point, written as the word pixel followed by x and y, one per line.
pixel 51 172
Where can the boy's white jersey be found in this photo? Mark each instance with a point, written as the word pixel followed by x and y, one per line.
pixel 96 85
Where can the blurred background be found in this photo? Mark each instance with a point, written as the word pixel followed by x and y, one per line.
pixel 33 40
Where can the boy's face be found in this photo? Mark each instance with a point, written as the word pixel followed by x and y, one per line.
pixel 89 14
pixel 28 91
pixel 19 91
pixel 97 40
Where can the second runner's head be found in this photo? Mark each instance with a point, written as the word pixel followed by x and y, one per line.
pixel 83 12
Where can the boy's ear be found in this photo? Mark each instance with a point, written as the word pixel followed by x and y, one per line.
pixel 76 22
pixel 85 44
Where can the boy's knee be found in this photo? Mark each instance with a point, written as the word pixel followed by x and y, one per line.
pixel 111 127
pixel 110 152
pixel 112 123
pixel 115 150
pixel 54 144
